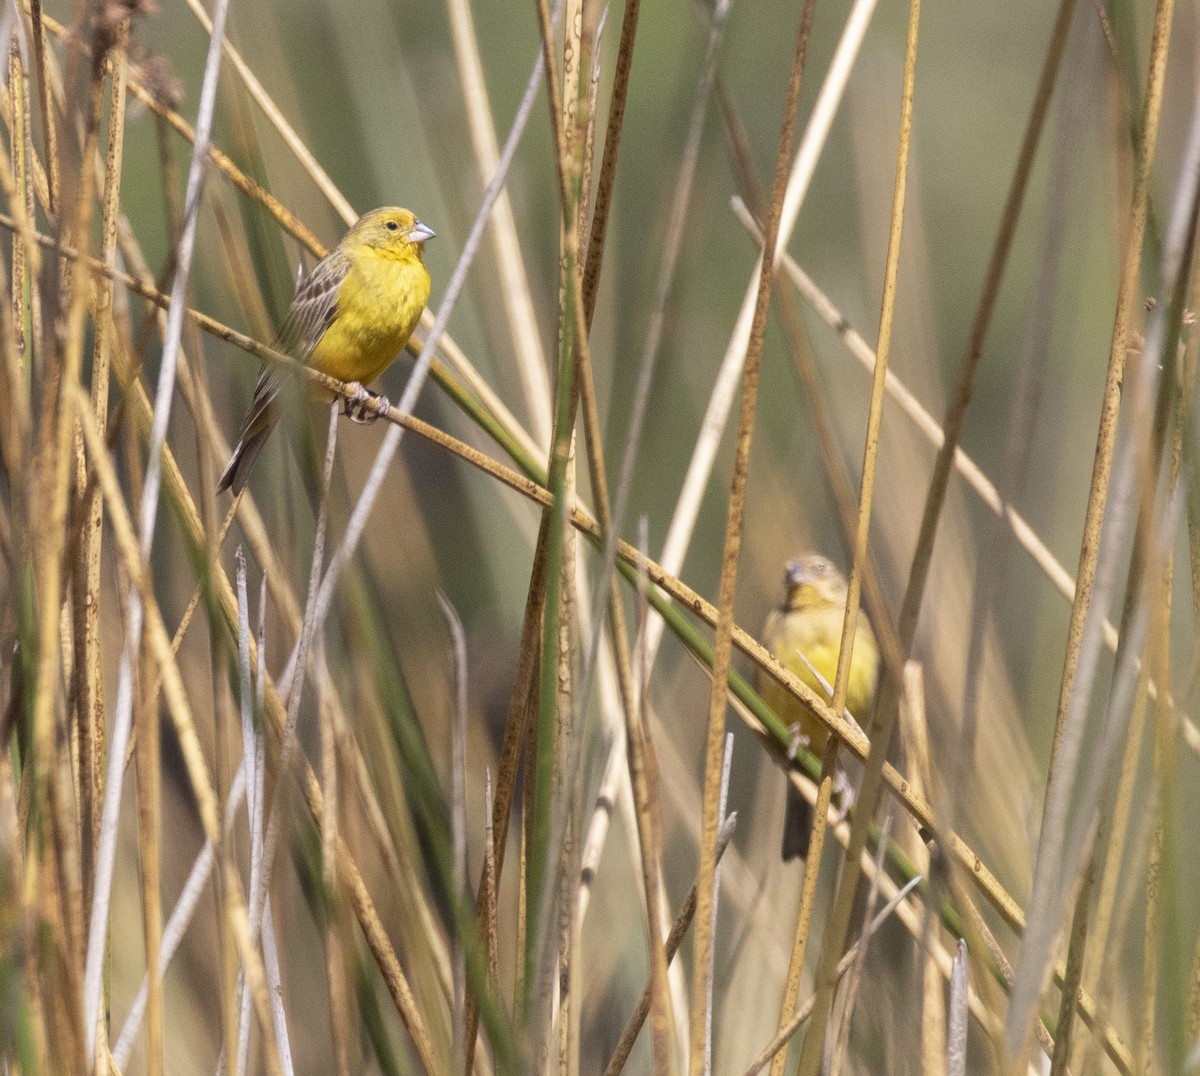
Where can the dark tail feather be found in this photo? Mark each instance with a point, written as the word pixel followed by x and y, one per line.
pixel 797 826
pixel 238 470
pixel 264 411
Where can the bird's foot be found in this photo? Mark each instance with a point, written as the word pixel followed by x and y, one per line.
pixel 843 794
pixel 796 740
pixel 357 406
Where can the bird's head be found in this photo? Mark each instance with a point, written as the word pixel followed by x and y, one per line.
pixel 811 580
pixel 391 231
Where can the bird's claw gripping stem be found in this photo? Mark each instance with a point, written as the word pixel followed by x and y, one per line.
pixel 356 405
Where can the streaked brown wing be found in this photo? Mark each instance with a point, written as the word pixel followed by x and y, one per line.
pixel 314 307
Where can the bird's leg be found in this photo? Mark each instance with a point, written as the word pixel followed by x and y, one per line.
pixel 843 792
pixel 796 740
pixel 356 408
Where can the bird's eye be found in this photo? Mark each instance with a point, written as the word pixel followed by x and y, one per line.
pixel 392 226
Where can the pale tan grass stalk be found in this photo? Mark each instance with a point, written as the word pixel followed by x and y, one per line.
pixel 713 425
pixel 351 878
pixel 808 894
pixel 1106 433
pixel 749 363
pixel 88 682
pixel 1110 979
pixel 643 774
pixel 608 163
pixel 341 1011
pixel 613 520
pixel 15 180
pixel 1114 838
pixel 1048 882
pixel 514 282
pixel 895 903
pixel 178 706
pixel 343 1023
pixel 551 805
pixel 149 819
pixel 49 523
pixel 458 820
pixel 1162 787
pixel 25 257
pixel 853 978
pixel 617 661
pixel 915 733
pixel 670 946
pixel 275 115
pixel 814 1040
pixel 49 120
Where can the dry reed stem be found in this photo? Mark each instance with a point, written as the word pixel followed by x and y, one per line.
pixel 670 947
pixel 1070 714
pixel 1110 406
pixel 643 779
pixel 49 129
pixel 51 466
pixel 854 973
pixel 550 823
pixel 87 572
pixel 458 820
pixel 273 113
pixel 808 895
pixel 15 179
pixel 687 507
pixel 952 425
pixel 178 706
pixel 608 163
pixel 895 904
pixel 722 649
pixel 514 281
pixel 814 1041
pixel 352 880
pixel 612 522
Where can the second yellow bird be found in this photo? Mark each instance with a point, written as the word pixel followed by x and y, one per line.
pixel 350 317
pixel 805 635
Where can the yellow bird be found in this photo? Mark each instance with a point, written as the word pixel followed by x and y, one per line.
pixel 350 317
pixel 804 634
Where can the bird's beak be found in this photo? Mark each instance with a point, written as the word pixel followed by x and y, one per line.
pixel 797 574
pixel 421 234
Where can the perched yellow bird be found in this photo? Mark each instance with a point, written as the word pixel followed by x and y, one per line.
pixel 349 319
pixel 805 634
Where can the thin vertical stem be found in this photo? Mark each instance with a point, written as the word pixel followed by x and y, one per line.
pixel 710 822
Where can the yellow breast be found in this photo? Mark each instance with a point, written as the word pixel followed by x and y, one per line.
pixel 379 305
pixel 815 633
